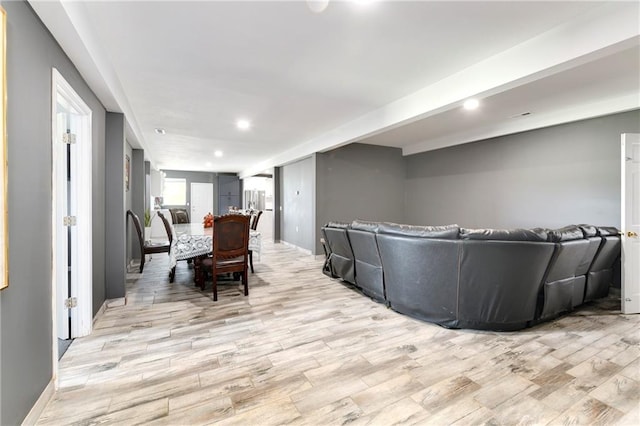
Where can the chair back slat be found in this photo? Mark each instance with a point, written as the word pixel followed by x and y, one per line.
pixel 254 220
pixel 167 227
pixel 136 222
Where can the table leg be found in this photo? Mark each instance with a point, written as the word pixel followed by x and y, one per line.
pixel 199 276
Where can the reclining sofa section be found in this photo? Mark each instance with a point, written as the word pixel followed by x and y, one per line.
pixel 486 279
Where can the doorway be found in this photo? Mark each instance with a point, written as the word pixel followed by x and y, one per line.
pixel 201 200
pixel 630 222
pixel 72 250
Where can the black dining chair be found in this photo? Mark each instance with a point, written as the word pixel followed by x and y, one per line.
pixel 150 247
pixel 254 226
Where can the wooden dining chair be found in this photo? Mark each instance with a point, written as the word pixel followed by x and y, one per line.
pixel 150 247
pixel 254 225
pixel 179 215
pixel 230 250
pixel 169 229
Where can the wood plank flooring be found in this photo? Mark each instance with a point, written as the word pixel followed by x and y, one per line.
pixel 304 349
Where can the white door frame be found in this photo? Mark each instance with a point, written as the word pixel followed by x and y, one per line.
pixel 81 233
pixel 630 199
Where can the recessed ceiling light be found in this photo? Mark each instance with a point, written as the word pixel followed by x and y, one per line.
pixel 209 164
pixel 362 2
pixel 243 124
pixel 317 6
pixel 471 104
pixel 160 131
pixel 218 153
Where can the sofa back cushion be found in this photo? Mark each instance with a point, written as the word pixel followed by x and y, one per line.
pixel 607 231
pixel 588 230
pixel 447 232
pixel 567 233
pixel 536 234
pixel 363 225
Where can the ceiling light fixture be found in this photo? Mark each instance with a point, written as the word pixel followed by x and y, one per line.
pixel 317 6
pixel 470 104
pixel 218 154
pixel 243 124
pixel 160 131
pixel 208 164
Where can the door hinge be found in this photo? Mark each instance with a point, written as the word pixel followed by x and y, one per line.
pixel 69 138
pixel 69 221
pixel 71 302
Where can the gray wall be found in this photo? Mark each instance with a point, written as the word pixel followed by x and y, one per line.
pixel 359 181
pixel 147 186
pixel 115 221
pixel 549 177
pixel 25 307
pixel 200 177
pixel 128 205
pixel 137 192
pixel 297 208
pixel 277 203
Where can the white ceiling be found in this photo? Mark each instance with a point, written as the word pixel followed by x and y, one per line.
pixel 388 73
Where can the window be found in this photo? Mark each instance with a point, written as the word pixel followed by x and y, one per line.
pixel 174 192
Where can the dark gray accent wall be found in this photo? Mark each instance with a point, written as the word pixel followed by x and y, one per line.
pixel 359 181
pixel 549 177
pixel 147 186
pixel 277 203
pixel 117 227
pixel 25 307
pixel 128 202
pixel 229 190
pixel 200 177
pixel 137 192
pixel 297 208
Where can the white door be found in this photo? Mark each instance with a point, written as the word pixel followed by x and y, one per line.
pixel 71 218
pixel 201 201
pixel 630 223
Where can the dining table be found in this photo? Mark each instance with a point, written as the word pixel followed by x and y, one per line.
pixel 192 241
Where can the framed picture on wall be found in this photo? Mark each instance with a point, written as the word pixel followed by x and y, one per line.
pixel 4 232
pixel 127 171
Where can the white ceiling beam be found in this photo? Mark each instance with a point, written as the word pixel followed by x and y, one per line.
pixel 530 122
pixel 602 31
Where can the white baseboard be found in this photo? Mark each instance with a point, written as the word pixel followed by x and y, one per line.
pixel 112 303
pixel 40 405
pixel 100 312
pixel 109 303
pixel 300 249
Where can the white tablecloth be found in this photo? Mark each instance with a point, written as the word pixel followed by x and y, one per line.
pixel 191 240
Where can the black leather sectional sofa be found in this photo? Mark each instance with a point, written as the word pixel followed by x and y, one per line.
pixel 486 279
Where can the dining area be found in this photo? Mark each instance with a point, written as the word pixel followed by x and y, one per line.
pixel 219 248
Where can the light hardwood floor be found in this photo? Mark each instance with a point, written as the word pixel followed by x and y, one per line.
pixel 305 349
